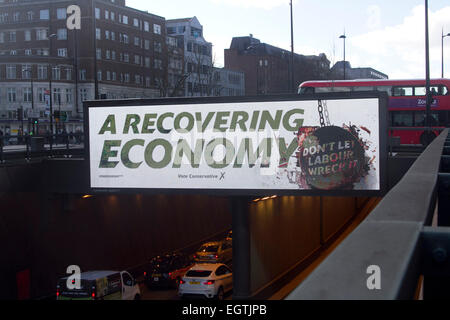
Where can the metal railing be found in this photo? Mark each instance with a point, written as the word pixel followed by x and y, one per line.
pixel 13 147
pixel 386 256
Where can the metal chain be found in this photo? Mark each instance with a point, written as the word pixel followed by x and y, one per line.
pixel 320 109
pixel 325 110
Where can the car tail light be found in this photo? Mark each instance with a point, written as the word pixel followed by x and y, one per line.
pixel 209 282
pixel 145 273
pixel 93 295
pixel 217 256
pixel 182 281
pixel 57 294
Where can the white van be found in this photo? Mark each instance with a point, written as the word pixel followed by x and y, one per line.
pixel 100 285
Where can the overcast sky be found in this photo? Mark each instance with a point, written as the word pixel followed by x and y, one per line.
pixel 388 35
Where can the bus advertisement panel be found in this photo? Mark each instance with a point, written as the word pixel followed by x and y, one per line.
pixel 328 143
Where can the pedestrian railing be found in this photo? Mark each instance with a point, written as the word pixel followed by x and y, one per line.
pixel 13 147
pixel 397 252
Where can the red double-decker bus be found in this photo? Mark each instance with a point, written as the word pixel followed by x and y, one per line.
pixel 407 103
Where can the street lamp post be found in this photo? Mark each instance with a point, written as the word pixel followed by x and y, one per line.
pixel 343 37
pixel 50 87
pixel 442 47
pixel 292 53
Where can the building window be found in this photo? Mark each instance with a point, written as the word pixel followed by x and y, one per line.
pixel 12 36
pixel 113 55
pixel 11 72
pixel 41 34
pixel 27 94
pixel 97 13
pixel 41 94
pixel 126 57
pixel 42 72
pixel 44 14
pixel 114 76
pixel 83 94
pixel 57 95
pixel 13 52
pixel 99 75
pixel 56 73
pixel 108 54
pixel 69 74
pixel 99 53
pixel 61 13
pixel 136 22
pixel 147 44
pixel 137 79
pixel 107 34
pixel 26 71
pixel 3 17
pixel 147 62
pixel 83 74
pixel 125 38
pixel 62 52
pixel 113 36
pixel 30 15
pixel 113 16
pixel 27 35
pixel 157 29
pixel 157 46
pixel 108 75
pixel 158 64
pixel 62 34
pixel 124 19
pixel 147 81
pixel 106 14
pixel 98 35
pixel 28 52
pixel 2 37
pixel 146 26
pixel 69 95
pixel 137 41
pixel 137 59
pixel 127 77
pixel 12 95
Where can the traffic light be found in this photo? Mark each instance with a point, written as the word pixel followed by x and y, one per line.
pixel 35 121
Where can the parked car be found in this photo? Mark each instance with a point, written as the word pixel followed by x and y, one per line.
pixel 214 252
pixel 207 280
pixel 100 285
pixel 167 270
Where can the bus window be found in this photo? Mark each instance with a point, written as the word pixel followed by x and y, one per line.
pixel 419 91
pixel 444 90
pixel 402 91
pixel 362 88
pixel 341 89
pixel 419 118
pixel 306 90
pixel 385 89
pixel 402 118
pixel 323 90
pixel 437 118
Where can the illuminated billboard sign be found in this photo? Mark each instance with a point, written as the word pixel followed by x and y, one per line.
pixel 285 144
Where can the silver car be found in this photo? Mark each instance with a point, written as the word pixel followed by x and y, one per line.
pixel 215 252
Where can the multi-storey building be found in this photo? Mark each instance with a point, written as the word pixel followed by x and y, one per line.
pixel 337 72
pixel 228 82
pixel 197 55
pixel 119 52
pixel 267 68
